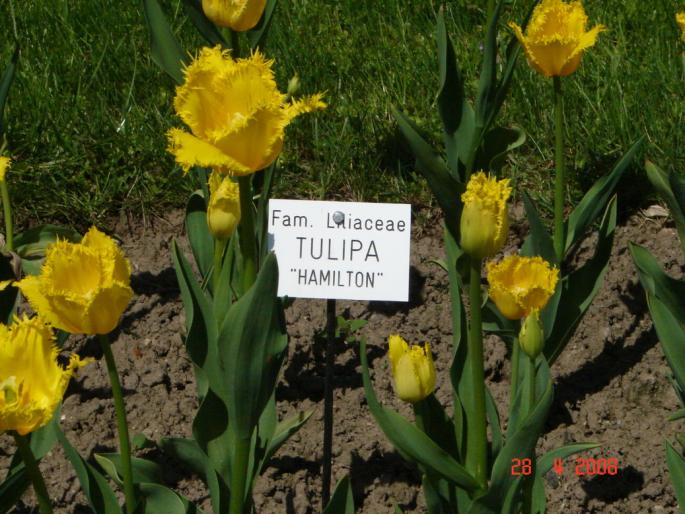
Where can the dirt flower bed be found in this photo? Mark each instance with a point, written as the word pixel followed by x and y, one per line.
pixel 611 385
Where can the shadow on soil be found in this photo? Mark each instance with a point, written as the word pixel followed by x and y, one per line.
pixel 615 360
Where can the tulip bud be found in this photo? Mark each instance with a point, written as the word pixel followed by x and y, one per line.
pixel 239 15
pixel 484 220
pixel 532 335
pixel 412 369
pixel 293 86
pixel 223 211
pixel 680 19
pixel 4 166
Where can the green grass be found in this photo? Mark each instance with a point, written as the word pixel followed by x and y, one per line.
pixel 88 111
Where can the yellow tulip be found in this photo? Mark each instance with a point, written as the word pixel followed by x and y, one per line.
pixel 31 382
pixel 520 285
pixel 235 112
pixel 4 166
pixel 223 211
pixel 484 220
pixel 239 15
pixel 532 335
pixel 412 369
pixel 556 38
pixel 82 288
pixel 680 19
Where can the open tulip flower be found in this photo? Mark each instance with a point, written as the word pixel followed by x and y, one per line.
pixel 238 15
pixel 31 382
pixel 82 288
pixel 556 37
pixel 235 112
pixel 412 369
pixel 521 285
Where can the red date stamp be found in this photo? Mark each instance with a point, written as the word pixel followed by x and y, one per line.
pixel 584 466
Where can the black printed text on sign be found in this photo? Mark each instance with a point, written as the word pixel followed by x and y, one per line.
pixel 341 250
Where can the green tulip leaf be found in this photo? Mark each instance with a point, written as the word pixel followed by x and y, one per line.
pixel 496 145
pixel 594 201
pixel 677 415
pixel 252 345
pixel 162 500
pixel 436 424
pixel 342 501
pixel 487 85
pixel 657 283
pixel 663 183
pixel 201 327
pixel 31 244
pixel 201 241
pixel 446 189
pixel 545 463
pixel 13 488
pixel 284 429
pixel 503 485
pixel 453 107
pixel 579 288
pixel 204 25
pixel 99 494
pixel 671 333
pixel 257 35
pixel 165 49
pixel 412 442
pixel 676 468
pixel 143 470
pixel 539 242
pixel 5 84
pixel 495 424
pixel 186 451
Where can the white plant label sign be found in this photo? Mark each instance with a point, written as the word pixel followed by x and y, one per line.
pixel 341 250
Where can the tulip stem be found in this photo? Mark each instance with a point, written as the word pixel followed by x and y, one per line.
pixel 241 458
pixel 328 404
pixel 530 480
pixel 559 185
pixel 7 210
pixel 219 248
pixel 491 9
pixel 515 352
pixel 122 425
pixel 248 245
pixel 530 377
pixel 476 431
pixel 33 471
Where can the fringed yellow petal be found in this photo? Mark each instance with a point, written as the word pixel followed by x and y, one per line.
pixel 31 382
pixel 82 288
pixel 239 15
pixel 484 220
pixel 520 285
pixel 556 37
pixel 235 112
pixel 191 151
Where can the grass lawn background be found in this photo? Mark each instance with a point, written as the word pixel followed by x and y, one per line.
pixel 88 109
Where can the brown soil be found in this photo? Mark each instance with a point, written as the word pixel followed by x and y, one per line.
pixel 611 386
